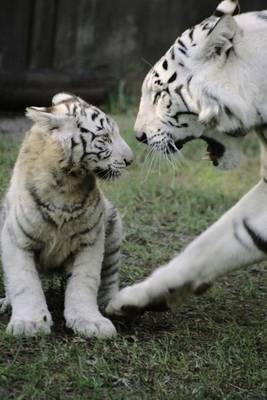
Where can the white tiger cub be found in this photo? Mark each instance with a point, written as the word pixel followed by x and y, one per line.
pixel 211 84
pixel 55 217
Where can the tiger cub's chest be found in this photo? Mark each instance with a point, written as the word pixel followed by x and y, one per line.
pixel 62 243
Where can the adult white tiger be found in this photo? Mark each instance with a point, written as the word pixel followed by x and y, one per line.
pixel 55 217
pixel 211 84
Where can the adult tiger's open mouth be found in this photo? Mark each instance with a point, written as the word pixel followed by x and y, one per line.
pixel 173 147
pixel 215 149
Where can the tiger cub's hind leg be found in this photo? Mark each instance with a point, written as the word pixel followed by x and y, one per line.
pixel 110 268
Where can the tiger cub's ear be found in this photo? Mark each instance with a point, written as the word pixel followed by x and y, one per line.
pixel 220 39
pixel 60 97
pixel 43 116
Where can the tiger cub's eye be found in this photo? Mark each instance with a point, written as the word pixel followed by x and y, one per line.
pixel 107 138
pixel 84 130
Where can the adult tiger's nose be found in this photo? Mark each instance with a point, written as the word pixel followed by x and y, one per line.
pixel 141 137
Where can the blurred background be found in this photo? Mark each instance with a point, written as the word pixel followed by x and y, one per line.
pixel 94 48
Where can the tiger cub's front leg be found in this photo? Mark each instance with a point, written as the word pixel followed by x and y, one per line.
pixel 30 315
pixel 236 240
pixel 81 310
pixel 109 284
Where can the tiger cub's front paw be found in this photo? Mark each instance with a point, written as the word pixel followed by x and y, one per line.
pixel 30 327
pixel 99 326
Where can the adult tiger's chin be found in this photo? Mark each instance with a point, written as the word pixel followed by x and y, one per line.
pixel 107 174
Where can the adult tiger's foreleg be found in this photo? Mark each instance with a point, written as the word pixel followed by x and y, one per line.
pixel 237 239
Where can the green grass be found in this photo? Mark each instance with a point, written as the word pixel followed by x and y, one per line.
pixel 213 348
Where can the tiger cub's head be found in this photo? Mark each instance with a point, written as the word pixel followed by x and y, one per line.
pixel 90 139
pixel 182 99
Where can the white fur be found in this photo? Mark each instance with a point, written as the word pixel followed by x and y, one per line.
pixel 55 217
pixel 239 81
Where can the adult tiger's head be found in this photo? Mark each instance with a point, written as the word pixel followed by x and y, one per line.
pixel 180 99
pixel 90 139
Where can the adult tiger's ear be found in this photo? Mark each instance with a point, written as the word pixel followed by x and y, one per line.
pixel 43 116
pixel 220 38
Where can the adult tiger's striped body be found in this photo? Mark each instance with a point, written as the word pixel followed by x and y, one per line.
pixel 55 217
pixel 211 84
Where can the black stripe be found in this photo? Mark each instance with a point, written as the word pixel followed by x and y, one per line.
pixel 107 274
pixel 228 112
pixel 94 116
pixel 239 132
pixel 93 242
pixel 111 222
pixel 181 43
pixel 107 267
pixel 38 201
pixel 178 91
pixel 218 13
pixel 165 65
pixel 90 183
pixel 89 229
pixel 40 205
pixel 172 78
pixel 259 242
pixel 237 10
pixel 183 51
pixel 112 252
pixel 73 143
pixel 83 143
pixel 83 130
pixel 191 34
pixel 105 285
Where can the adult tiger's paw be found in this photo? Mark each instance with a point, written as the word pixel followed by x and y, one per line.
pixel 130 301
pixel 4 304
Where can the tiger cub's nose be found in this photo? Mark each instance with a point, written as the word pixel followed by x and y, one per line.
pixel 128 161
